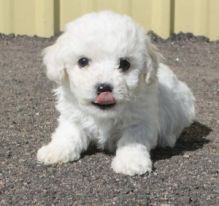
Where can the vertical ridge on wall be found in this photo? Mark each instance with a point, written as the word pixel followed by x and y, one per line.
pixel 6 14
pixel 201 13
pixel 161 14
pixel 44 17
pixel 56 15
pixel 172 16
pixel 213 19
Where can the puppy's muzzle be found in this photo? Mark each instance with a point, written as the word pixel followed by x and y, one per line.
pixel 104 98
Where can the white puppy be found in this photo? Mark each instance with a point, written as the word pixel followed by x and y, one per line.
pixel 113 91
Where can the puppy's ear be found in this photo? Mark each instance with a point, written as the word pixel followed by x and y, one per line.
pixel 152 61
pixel 54 64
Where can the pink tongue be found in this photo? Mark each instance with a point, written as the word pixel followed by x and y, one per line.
pixel 105 98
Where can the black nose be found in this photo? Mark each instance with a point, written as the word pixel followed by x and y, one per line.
pixel 104 87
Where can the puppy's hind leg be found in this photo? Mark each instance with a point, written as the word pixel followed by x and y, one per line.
pixel 67 143
pixel 177 111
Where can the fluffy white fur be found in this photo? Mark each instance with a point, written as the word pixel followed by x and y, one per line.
pixel 152 105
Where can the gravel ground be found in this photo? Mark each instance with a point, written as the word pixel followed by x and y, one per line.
pixel 185 175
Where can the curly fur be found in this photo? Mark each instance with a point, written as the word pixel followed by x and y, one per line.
pixel 152 105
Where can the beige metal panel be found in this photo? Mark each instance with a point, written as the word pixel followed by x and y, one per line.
pixel 121 6
pixel 44 18
pixel 191 16
pixel 6 16
pixel 23 19
pixel 184 16
pixel 201 13
pixel 161 17
pixel 152 14
pixel 213 19
pixel 200 17
pixel 31 17
pixel 142 12
pixel 70 10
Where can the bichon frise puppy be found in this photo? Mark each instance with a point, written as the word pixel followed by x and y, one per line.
pixel 113 91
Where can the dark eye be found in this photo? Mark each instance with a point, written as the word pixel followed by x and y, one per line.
pixel 83 62
pixel 124 64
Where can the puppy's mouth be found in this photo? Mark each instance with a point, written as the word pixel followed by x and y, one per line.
pixel 104 100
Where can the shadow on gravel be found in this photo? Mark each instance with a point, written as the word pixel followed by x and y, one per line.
pixel 191 139
pixel 92 149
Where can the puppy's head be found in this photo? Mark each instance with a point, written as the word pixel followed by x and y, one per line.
pixel 105 59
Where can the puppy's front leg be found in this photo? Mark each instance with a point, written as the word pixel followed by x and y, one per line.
pixel 68 141
pixel 133 151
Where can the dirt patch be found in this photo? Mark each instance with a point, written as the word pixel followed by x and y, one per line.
pixel 185 175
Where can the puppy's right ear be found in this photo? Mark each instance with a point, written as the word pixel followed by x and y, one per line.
pixel 54 64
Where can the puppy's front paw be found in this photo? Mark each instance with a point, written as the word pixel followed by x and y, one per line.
pixel 57 153
pixel 132 160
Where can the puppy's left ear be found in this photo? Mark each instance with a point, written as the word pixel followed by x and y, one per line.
pixel 152 61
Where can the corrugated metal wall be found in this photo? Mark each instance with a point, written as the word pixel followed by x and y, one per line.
pixel 31 17
pixel 200 17
pixel 152 14
pixel 47 17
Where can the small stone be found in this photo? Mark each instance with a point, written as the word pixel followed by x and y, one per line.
pixel 186 156
pixel 177 59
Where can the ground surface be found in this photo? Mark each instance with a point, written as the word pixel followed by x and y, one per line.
pixel 185 175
